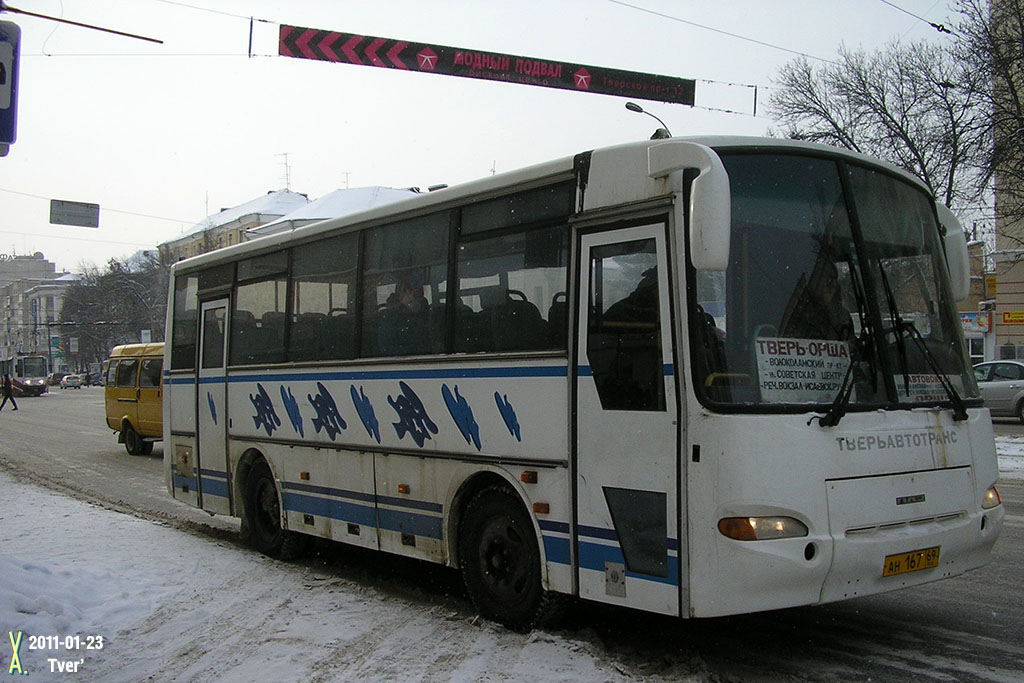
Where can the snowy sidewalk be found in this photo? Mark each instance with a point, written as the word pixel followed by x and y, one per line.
pixel 145 600
pixel 158 604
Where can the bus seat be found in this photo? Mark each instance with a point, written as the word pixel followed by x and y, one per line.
pixel 517 324
pixel 308 338
pixel 558 320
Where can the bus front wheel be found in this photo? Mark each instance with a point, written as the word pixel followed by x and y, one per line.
pixel 263 514
pixel 500 560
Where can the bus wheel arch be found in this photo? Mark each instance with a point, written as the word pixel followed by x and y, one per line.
pixel 262 516
pixel 499 554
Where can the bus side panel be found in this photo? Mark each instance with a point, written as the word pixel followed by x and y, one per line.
pixel 325 492
pixel 410 510
pixel 484 409
pixel 179 405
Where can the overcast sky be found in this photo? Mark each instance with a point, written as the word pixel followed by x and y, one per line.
pixel 160 136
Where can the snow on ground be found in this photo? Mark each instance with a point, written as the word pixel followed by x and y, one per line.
pixel 1011 458
pixel 174 606
pixel 155 603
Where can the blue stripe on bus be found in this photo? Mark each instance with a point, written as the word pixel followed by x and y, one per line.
pixel 556 549
pixel 365 497
pixel 611 535
pixel 181 481
pixel 328 491
pixel 362 375
pixel 365 515
pixel 410 523
pixel 327 507
pixel 407 503
pixel 214 487
pixel 594 556
pixel 214 482
pixel 551 525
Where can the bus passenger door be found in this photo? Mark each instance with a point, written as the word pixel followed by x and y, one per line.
pixel 211 409
pixel 627 473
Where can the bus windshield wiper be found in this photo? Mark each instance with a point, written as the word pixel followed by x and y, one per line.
pixel 959 410
pixel 897 321
pixel 863 351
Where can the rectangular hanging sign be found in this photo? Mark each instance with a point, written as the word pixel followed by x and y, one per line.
pixel 390 53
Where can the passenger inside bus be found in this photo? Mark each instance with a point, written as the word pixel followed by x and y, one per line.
pixel 818 312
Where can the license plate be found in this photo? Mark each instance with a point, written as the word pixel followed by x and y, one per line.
pixel 915 560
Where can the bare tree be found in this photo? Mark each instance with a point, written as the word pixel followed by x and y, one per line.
pixel 104 309
pixel 990 42
pixel 916 106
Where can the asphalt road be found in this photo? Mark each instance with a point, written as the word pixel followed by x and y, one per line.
pixel 970 628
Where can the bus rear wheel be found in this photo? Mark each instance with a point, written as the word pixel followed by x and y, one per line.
pixel 263 514
pixel 500 560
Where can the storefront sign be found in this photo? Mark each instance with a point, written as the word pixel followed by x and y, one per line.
pixel 1013 317
pixel 976 322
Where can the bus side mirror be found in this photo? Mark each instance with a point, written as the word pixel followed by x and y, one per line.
pixel 955 241
pixel 710 198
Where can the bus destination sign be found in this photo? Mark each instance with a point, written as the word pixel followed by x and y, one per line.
pixel 390 53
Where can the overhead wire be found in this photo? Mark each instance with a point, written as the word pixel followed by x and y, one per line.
pixel 718 30
pixel 941 28
pixel 128 213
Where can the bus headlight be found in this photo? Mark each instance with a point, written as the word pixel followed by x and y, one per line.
pixel 991 499
pixel 761 528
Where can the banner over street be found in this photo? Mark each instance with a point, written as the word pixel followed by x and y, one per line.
pixel 390 53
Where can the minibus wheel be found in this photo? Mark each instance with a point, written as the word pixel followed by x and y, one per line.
pixel 500 560
pixel 263 513
pixel 133 443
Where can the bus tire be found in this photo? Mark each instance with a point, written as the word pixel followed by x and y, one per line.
pixel 263 517
pixel 500 560
pixel 133 443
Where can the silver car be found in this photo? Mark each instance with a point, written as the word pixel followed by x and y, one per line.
pixel 1002 386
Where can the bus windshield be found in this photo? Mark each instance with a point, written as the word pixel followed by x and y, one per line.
pixel 836 288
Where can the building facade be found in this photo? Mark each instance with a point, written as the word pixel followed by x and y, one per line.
pixel 31 293
pixel 229 226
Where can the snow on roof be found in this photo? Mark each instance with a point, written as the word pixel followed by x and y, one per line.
pixel 333 204
pixel 274 203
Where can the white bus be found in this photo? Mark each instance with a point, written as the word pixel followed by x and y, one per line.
pixel 697 377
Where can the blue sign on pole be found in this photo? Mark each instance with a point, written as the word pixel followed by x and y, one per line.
pixel 10 39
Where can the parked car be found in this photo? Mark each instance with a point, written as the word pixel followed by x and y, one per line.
pixel 71 382
pixel 1002 386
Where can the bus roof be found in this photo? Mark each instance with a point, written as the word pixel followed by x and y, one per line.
pixel 537 175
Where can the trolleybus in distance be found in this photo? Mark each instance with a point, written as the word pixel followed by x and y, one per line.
pixel 698 377
pixel 28 374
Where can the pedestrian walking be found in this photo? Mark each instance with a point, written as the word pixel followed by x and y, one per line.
pixel 8 392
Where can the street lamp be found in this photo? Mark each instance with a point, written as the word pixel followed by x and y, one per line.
pixel 660 133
